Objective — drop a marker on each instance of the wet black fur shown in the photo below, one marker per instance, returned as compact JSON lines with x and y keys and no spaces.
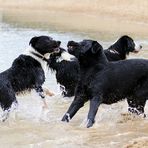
{"x":122,"y":47}
{"x":25,"y":73}
{"x":108,"y":82}
{"x":66,"y":73}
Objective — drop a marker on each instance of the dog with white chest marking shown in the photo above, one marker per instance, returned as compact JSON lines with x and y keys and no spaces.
{"x":66,"y":67}
{"x":27,"y":72}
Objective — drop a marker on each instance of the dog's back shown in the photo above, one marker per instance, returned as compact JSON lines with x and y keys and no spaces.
{"x":26,"y":73}
{"x":117,"y":80}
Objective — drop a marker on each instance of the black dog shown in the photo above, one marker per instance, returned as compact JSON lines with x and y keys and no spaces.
{"x":118,"y":51}
{"x":121,"y":48}
{"x":108,"y":82}
{"x":67,"y":72}
{"x":26,"y":72}
{"x":67,"y":68}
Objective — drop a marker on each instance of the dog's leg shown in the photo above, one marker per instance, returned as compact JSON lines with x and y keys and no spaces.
{"x":131,"y":105}
{"x":40,"y":91}
{"x":136,"y":106}
{"x":140,"y":104}
{"x":7,"y":111}
{"x":77,"y":103}
{"x":64,"y":92}
{"x":94,"y":104}
{"x":5,"y":115}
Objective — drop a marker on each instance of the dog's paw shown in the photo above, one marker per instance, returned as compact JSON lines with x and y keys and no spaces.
{"x":136,"y":112}
{"x":90,"y":123}
{"x":66,"y":117}
{"x":143,"y":115}
{"x":5,"y":116}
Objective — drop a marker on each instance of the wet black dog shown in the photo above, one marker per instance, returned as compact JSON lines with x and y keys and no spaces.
{"x":67,"y":72}
{"x":66,"y":67}
{"x":118,"y":51}
{"x":27,"y":72}
{"x":121,"y":48}
{"x":108,"y":82}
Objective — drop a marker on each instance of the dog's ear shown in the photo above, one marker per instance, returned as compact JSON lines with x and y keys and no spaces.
{"x":96,"y":47}
{"x":130,"y":46}
{"x":130,"y":43}
{"x":33,"y":41}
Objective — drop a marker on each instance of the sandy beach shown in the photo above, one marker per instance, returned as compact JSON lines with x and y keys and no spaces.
{"x":90,"y":16}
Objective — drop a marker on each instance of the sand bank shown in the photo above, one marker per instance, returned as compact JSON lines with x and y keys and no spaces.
{"x":95,"y":16}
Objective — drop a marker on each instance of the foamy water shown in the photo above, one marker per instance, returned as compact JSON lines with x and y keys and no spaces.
{"x":33,"y":127}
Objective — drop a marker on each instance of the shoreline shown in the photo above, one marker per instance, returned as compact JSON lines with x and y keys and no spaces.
{"x":100,"y":21}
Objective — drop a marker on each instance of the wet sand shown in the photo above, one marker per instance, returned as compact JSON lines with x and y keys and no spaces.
{"x":96,"y":17}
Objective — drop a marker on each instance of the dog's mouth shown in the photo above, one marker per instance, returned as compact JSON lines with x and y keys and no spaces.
{"x":52,"y":51}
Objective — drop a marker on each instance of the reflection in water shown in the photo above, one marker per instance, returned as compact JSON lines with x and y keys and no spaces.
{"x":36,"y":128}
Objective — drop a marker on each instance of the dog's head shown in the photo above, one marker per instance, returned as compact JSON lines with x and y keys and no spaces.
{"x":129,"y":44}
{"x":44,"y":44}
{"x":62,"y":55}
{"x":87,"y":51}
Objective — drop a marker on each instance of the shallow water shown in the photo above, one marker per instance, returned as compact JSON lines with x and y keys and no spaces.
{"x":33,"y":127}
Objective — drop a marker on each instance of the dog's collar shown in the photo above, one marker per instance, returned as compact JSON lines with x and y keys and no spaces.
{"x":113,"y":51}
{"x":40,"y":56}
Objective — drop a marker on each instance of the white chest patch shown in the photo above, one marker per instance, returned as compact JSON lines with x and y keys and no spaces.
{"x":40,"y":60}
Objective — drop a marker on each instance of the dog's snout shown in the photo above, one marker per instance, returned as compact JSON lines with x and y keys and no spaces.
{"x":138,"y":47}
{"x":70,"y":48}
